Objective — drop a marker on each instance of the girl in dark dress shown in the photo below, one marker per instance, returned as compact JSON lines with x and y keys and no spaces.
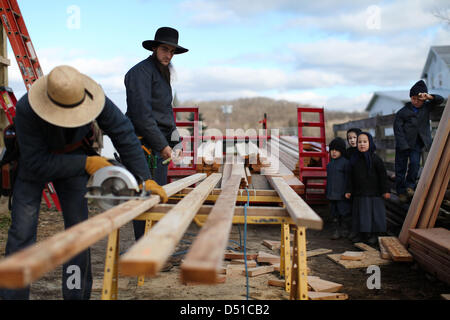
{"x":367,"y":185}
{"x":352,"y":136}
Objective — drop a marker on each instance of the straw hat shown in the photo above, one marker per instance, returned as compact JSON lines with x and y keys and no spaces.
{"x":67,"y":98}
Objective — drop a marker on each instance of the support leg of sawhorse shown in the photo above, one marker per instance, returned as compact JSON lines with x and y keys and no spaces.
{"x":285,"y":256}
{"x":148,"y":226}
{"x":111,"y":275}
{"x":299,"y":288}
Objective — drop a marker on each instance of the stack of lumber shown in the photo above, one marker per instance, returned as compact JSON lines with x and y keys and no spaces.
{"x":209,"y":157}
{"x":431,"y":249}
{"x":433,"y":182}
{"x":289,"y":152}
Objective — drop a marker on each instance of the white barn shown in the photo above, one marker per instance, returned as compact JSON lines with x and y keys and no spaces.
{"x":436,"y":74}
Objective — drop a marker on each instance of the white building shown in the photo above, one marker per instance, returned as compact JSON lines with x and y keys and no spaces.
{"x":436,"y":74}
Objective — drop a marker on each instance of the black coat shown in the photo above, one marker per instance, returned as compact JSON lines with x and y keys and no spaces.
{"x":39,"y":140}
{"x":363,"y":182}
{"x":409,"y":125}
{"x":337,"y":174}
{"x":149,"y":100}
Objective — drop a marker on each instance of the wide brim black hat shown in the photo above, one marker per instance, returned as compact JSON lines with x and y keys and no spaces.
{"x":165,"y":35}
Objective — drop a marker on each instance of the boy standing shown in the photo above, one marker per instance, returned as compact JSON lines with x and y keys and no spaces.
{"x":412,"y":134}
{"x":337,"y":172}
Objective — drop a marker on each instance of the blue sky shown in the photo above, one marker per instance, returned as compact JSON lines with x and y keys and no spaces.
{"x":326,"y":53}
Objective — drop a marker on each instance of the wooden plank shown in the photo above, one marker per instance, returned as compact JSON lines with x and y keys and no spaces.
{"x":364,"y":246}
{"x":396,"y":249}
{"x":250,"y":263}
{"x":437,"y":189}
{"x":253,"y":272}
{"x":218,"y":152}
{"x":230,"y":255}
{"x":427,"y":176}
{"x":267,"y":258}
{"x":276,"y":283}
{"x":148,"y":254}
{"x":28,"y":265}
{"x":320,"y":285}
{"x":445,"y":296}
{"x":317,"y":252}
{"x":424,"y":251}
{"x":207,"y":252}
{"x":239,"y":170}
{"x":370,"y":258}
{"x":432,"y":266}
{"x":299,"y":210}
{"x":327,"y":296}
{"x":437,"y":237}
{"x":437,"y":204}
{"x":426,"y":247}
{"x":225,"y":174}
{"x":242,"y":150}
{"x":272,"y":245}
{"x":383,"y":252}
{"x":248,"y":175}
{"x":353,"y":255}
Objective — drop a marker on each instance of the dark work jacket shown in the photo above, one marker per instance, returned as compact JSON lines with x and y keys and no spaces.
{"x":38,"y":140}
{"x":363,"y":182}
{"x":350,"y":151}
{"x":409,"y":125}
{"x":337,"y":174}
{"x":149,"y":100}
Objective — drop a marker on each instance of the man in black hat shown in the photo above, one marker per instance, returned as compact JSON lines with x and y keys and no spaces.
{"x":412,"y":134}
{"x":149,"y":100}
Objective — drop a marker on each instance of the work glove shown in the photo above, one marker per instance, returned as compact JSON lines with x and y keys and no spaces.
{"x":95,"y":163}
{"x":156,"y":189}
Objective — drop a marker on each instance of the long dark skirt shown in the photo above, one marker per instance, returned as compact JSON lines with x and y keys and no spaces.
{"x":369,"y":214}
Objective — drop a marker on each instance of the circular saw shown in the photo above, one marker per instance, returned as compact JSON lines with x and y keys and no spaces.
{"x":113,"y":185}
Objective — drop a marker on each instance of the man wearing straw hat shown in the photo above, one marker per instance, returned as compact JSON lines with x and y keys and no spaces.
{"x":51,"y":120}
{"x":149,"y":99}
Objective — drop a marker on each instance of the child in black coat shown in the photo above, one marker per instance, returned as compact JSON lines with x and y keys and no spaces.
{"x":367,"y":185}
{"x":352,"y":136}
{"x":337,"y":173}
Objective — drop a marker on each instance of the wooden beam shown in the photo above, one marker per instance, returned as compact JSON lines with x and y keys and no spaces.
{"x":206,"y":254}
{"x":28,"y":265}
{"x":426,"y":178}
{"x":300,"y":212}
{"x":148,"y":255}
{"x":396,"y":249}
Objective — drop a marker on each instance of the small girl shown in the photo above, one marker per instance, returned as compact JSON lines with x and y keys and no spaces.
{"x":367,"y":184}
{"x":337,"y":174}
{"x":352,"y":135}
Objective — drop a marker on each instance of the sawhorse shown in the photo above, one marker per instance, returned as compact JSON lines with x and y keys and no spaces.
{"x":294,"y":270}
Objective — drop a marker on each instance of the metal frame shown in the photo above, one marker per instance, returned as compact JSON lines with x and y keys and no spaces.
{"x":295,"y":272}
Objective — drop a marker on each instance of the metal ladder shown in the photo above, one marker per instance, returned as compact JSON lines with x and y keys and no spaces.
{"x":12,"y":20}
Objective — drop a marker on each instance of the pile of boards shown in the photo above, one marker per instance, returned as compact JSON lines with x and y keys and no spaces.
{"x":426,"y":203}
{"x":289,"y":152}
{"x":431,"y":249}
{"x":254,"y":160}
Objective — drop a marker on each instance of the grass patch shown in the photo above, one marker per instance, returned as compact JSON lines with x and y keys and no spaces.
{"x":5,"y":222}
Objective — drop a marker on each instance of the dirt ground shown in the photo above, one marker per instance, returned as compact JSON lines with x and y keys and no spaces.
{"x":399,"y":280}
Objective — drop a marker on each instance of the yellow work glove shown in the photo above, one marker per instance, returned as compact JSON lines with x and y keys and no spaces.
{"x":156,"y":189}
{"x":96,"y":163}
